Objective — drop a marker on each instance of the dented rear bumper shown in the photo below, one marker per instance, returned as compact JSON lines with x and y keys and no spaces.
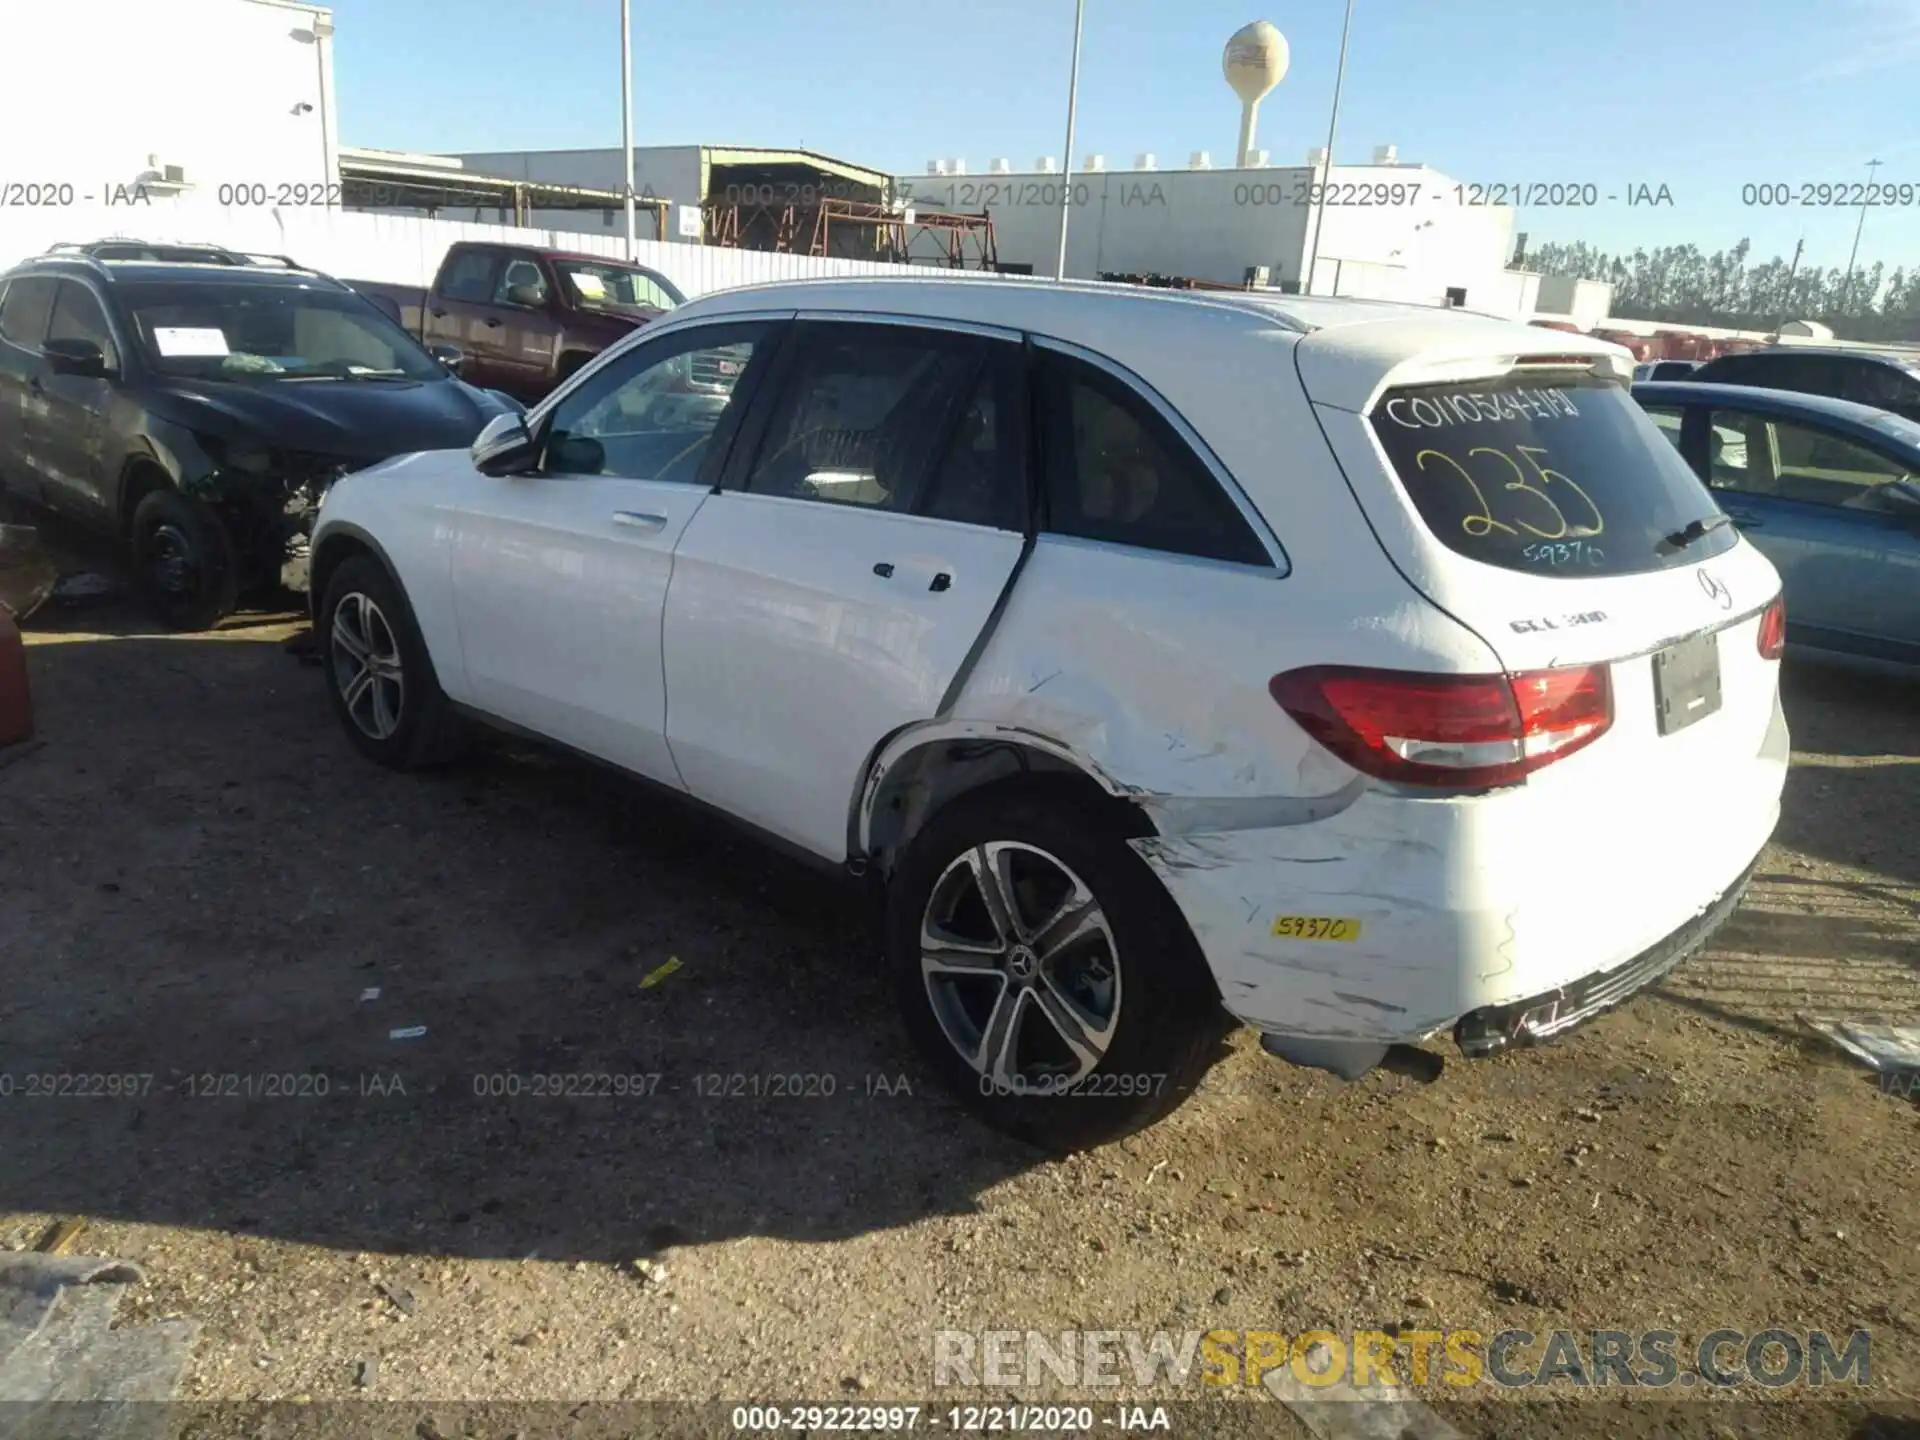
{"x":1539,"y":1018}
{"x":1399,"y":919}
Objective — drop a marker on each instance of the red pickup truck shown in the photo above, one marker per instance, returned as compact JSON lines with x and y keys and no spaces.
{"x":524,"y":319}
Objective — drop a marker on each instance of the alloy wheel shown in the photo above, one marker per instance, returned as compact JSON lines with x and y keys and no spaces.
{"x":1020,"y":967}
{"x":366,"y":666}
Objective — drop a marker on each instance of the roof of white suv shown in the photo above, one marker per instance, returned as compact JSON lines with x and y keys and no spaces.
{"x":1355,"y":348}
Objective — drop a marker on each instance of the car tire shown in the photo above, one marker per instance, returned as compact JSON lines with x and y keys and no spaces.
{"x":380,"y":678}
{"x":1154,"y":1019}
{"x":183,"y":561}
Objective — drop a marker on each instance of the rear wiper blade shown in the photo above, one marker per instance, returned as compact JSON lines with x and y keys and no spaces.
{"x":1694,"y":530}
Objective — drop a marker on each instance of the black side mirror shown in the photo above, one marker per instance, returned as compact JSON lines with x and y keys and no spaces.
{"x":531,"y":296}
{"x":449,"y":356}
{"x":504,"y":446}
{"x":75,"y":357}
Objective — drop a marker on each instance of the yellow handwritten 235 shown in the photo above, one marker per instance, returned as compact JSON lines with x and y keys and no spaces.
{"x":1482,"y":522}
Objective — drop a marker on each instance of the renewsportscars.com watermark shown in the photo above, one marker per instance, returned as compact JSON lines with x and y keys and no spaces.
{"x":1375,"y":1360}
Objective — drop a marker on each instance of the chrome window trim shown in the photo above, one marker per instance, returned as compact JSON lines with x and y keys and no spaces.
{"x":1281,"y":566}
{"x":1172,"y":557}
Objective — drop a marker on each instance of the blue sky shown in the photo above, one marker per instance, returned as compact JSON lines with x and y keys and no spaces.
{"x":1702,"y":96}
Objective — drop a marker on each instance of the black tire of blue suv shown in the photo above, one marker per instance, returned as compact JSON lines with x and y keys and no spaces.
{"x":183,"y":561}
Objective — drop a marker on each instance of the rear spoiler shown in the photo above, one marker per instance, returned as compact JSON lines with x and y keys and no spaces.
{"x":1345,"y":375}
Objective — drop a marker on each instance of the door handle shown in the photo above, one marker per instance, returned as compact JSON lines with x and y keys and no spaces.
{"x":493,"y":324}
{"x":439,"y":314}
{"x":638,"y":520}
{"x":884,"y":569}
{"x":942,"y":581}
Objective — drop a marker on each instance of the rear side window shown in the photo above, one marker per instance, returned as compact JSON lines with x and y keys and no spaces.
{"x":523,"y":274}
{"x":1667,"y":420}
{"x":980,"y":477}
{"x":1117,"y":471}
{"x":23,"y":315}
{"x":1765,"y":370}
{"x":1550,"y":476}
{"x":861,"y":412}
{"x":1762,"y":455}
{"x":469,"y":276}
{"x":1884,"y":387}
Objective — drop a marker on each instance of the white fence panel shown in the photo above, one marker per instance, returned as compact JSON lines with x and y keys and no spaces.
{"x":397,"y":249}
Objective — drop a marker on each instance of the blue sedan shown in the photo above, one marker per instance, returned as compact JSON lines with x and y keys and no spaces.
{"x":1827,"y":490}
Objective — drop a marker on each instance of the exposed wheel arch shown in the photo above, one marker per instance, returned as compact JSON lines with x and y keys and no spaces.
{"x":1142,"y":999}
{"x":339,"y":545}
{"x":925,"y":768}
{"x":335,"y":548}
{"x":140,"y":478}
{"x":381,"y":658}
{"x":329,"y":555}
{"x":570,"y":364}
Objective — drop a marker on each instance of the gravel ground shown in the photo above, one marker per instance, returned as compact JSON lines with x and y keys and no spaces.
{"x":200,"y":879}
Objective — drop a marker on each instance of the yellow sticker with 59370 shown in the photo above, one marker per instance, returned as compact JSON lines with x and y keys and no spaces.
{"x":1317,"y":927}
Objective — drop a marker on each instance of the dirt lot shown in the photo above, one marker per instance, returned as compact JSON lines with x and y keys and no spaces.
{"x":199,"y":878}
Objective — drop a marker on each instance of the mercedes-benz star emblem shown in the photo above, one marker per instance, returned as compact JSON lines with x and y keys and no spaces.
{"x":1715,"y":590}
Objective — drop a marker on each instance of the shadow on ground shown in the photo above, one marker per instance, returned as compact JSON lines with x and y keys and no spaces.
{"x":209,"y":887}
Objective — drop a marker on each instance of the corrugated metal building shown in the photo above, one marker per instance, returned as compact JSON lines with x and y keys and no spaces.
{"x":690,"y":178}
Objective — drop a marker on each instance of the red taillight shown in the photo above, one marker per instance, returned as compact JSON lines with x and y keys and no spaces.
{"x":1773,"y":629}
{"x":1451,"y":731}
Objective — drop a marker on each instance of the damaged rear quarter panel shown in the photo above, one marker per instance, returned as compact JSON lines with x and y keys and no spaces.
{"x":1153,"y":670}
{"x":1393,"y":981}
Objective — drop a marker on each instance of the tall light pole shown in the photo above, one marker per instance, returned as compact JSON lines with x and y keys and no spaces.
{"x":1066,"y":160}
{"x":626,"y":119}
{"x":1333,"y":124}
{"x":1846,"y":285}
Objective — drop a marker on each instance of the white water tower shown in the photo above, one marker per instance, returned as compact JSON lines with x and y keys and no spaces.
{"x":1255,"y":62}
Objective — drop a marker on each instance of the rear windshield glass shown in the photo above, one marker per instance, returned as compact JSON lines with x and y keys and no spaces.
{"x":1548,"y":474}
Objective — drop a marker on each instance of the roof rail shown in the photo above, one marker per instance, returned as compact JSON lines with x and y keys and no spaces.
{"x":159,"y":248}
{"x":176,"y":252}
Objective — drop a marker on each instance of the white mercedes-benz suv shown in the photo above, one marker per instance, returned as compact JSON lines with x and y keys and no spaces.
{"x":1365,"y":673}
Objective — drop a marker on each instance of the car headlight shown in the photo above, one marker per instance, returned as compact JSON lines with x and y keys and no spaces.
{"x":239,"y":455}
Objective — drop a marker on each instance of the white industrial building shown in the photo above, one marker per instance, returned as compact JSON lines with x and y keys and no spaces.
{"x":1396,"y":231}
{"x":225,"y":109}
{"x":131,"y":100}
{"x":1399,"y":231}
